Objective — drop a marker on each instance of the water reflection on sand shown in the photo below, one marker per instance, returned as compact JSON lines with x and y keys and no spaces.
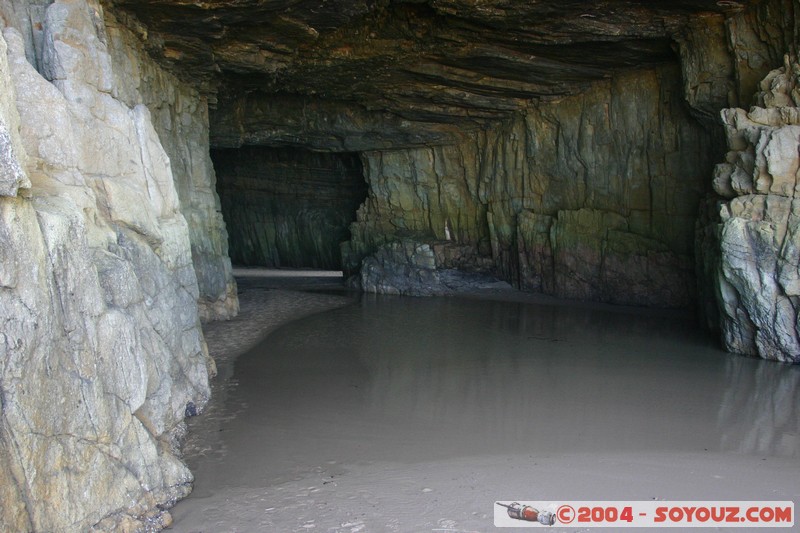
{"x":410,"y":379}
{"x":416,"y":381}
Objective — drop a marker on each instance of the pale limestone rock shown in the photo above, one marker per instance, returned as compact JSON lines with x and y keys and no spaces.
{"x":755,"y":271}
{"x":101,"y":350}
{"x":779,"y":88}
{"x":179,"y":117}
{"x":782,"y":160}
{"x":12,"y":153}
{"x":11,"y":173}
{"x":157,"y":168}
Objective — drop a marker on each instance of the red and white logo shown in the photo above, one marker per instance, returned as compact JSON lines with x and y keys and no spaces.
{"x":622,"y":514}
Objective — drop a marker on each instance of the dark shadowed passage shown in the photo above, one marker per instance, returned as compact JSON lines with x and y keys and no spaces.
{"x":416,"y":414}
{"x":288,"y":207}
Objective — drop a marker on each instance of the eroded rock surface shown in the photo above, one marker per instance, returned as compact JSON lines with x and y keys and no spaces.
{"x":561,"y":146}
{"x":101,"y":351}
{"x":438,"y":65}
{"x":180,"y":119}
{"x":411,"y":268}
{"x":754,"y":232}
{"x":591,"y":197}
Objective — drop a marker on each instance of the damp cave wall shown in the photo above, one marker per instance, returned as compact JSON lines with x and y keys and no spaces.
{"x":592,"y":197}
{"x":108,"y":195}
{"x":605,"y":195}
{"x":288,"y":207}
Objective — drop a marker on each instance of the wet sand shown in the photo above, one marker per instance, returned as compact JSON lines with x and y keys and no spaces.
{"x":264,"y":305}
{"x":417,"y":414}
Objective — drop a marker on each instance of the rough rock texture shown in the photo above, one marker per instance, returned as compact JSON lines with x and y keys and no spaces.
{"x":411,"y":268}
{"x":12,"y":153}
{"x":288,"y":207}
{"x":750,"y":241}
{"x":453,"y":63}
{"x":545,"y":142}
{"x":180,"y":117}
{"x":723,"y":58}
{"x":101,"y":351}
{"x":257,"y":118}
{"x":548,"y":137}
{"x":590,"y":197}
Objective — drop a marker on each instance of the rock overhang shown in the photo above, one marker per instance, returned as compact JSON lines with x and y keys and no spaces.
{"x":426,"y":68}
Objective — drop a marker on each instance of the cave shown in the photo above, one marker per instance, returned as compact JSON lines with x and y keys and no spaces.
{"x":288,"y":207}
{"x":372,"y":265}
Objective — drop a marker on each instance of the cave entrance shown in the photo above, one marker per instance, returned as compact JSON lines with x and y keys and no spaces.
{"x":288,"y":207}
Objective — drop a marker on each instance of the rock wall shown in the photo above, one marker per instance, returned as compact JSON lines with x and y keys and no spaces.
{"x":749,"y":242}
{"x":316,"y":123}
{"x":591,"y":196}
{"x":101,"y":351}
{"x":180,"y":117}
{"x":744,"y":236}
{"x":724,"y":57}
{"x":289,"y":207}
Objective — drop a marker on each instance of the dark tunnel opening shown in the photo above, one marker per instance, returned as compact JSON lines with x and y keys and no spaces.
{"x":288,"y":207}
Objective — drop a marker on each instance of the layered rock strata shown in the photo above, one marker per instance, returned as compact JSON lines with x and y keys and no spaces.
{"x":101,"y":351}
{"x":411,"y":268}
{"x":547,"y":143}
{"x":433,"y":93}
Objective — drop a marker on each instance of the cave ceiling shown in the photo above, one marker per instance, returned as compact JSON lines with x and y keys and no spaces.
{"x":437,"y":62}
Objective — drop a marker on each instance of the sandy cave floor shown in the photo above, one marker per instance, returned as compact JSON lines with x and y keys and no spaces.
{"x":339,"y":412}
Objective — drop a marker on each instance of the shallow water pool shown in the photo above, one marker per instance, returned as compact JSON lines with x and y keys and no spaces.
{"x":417,"y":414}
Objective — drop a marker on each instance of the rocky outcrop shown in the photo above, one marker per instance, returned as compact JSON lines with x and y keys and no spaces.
{"x":724,"y":57}
{"x":590,"y":197}
{"x":180,"y":118}
{"x":546,"y":143}
{"x":101,"y":351}
{"x":411,"y":268}
{"x":552,"y":138}
{"x":288,"y":207}
{"x":749,"y":242}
